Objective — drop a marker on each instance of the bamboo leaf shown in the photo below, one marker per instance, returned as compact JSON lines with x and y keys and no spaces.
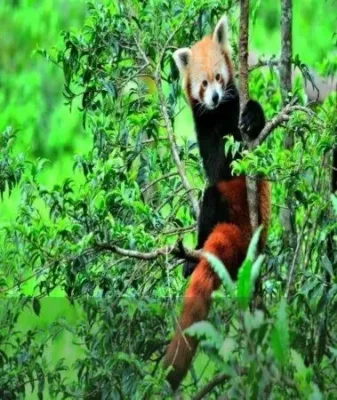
{"x":280,"y":335}
{"x":221,"y":270}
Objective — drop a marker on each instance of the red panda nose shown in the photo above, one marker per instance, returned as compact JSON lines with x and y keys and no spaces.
{"x":215,"y":98}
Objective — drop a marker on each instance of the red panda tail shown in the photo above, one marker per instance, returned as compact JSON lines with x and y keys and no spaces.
{"x":225,"y":242}
{"x":195,"y":308}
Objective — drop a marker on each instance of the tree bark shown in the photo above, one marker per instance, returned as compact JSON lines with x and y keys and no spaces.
{"x":243,"y":52}
{"x":286,"y":86}
{"x":286,"y":48}
{"x":244,"y":95}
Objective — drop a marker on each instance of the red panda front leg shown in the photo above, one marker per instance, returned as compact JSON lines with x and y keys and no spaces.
{"x":227,"y":243}
{"x":214,"y":210}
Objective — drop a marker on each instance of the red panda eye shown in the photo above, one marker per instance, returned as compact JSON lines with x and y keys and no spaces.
{"x":217,"y":77}
{"x":204,"y":83}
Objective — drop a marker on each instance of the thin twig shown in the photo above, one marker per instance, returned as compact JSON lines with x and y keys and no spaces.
{"x":151,"y":255}
{"x":281,"y":117}
{"x":168,"y":124}
{"x":292,"y":268}
{"x":166,"y":45}
{"x":147,"y":141}
{"x":135,"y":75}
{"x":158,"y":180}
{"x":297,"y":250}
{"x":263,"y":63}
{"x":178,"y":231}
{"x":173,"y":144}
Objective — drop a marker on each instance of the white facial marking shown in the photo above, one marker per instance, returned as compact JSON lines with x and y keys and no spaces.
{"x":215,"y":91}
{"x":213,"y":94}
{"x":195,"y":89}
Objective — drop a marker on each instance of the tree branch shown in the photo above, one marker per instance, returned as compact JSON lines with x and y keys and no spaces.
{"x":263,"y":63}
{"x":286,"y":49}
{"x":281,"y":117}
{"x":173,"y":144}
{"x":323,"y":85}
{"x":169,"y":40}
{"x":177,"y":250}
{"x":217,"y":380}
{"x":297,"y":250}
{"x":158,"y":180}
{"x":243,"y":52}
{"x":244,"y":95}
{"x":165,"y":114}
{"x":178,"y":231}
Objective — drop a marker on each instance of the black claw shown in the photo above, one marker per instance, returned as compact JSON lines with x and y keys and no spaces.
{"x":252,"y":119}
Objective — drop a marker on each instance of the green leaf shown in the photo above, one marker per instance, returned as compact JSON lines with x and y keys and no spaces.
{"x":327,"y":264}
{"x":204,"y":330}
{"x":244,"y":284}
{"x":36,"y":306}
{"x":280,"y":335}
{"x":334,"y":202}
{"x":248,"y":273}
{"x":297,"y":361}
{"x":315,"y":394}
{"x":220,"y":269}
{"x":227,"y":348}
{"x":254,"y":243}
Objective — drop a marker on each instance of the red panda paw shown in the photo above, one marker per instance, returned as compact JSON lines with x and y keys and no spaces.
{"x":188,"y":268}
{"x":252,"y":119}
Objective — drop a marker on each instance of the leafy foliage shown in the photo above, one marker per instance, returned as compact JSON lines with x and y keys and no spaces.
{"x":11,"y":168}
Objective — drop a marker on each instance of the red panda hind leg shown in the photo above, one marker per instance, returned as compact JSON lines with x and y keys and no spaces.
{"x":225,"y":242}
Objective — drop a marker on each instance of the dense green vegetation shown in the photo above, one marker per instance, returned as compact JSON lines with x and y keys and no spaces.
{"x":83,"y":137}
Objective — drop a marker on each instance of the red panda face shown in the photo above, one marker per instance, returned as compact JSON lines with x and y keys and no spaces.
{"x":206,"y":68}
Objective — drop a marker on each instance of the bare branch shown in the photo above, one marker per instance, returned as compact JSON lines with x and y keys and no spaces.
{"x":148,"y":141}
{"x":151,"y":255}
{"x":282,"y":116}
{"x":297,"y":250}
{"x":263,"y":63}
{"x":166,"y":176}
{"x":178,"y":231}
{"x":134,"y":75}
{"x":319,"y":92}
{"x":176,"y":250}
{"x":217,"y":380}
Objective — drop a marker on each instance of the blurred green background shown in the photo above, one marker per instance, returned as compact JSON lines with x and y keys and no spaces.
{"x":32,"y":104}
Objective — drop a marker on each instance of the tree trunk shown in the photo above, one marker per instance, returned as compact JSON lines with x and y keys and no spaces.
{"x":243,"y":52}
{"x":244,"y":95}
{"x":286,"y":48}
{"x":287,"y":214}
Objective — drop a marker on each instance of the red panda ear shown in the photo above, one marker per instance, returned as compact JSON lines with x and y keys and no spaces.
{"x":220,"y":34}
{"x":182,"y":58}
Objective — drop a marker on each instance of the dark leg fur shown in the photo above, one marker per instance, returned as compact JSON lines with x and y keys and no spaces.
{"x":214,"y":209}
{"x":252,"y":119}
{"x":223,"y":120}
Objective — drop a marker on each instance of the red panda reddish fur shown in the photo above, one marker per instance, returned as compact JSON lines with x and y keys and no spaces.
{"x":224,"y":227}
{"x":229,"y":242}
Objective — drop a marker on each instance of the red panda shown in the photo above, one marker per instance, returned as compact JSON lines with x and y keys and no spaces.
{"x":223,"y":227}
